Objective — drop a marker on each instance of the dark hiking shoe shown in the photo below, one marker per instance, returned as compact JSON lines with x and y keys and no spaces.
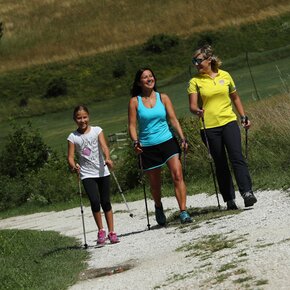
{"x":160,"y":216}
{"x":249,"y":198}
{"x":185,"y":217}
{"x":231,"y":205}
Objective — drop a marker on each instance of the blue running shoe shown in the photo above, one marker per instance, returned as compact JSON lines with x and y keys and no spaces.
{"x":185,"y":217}
{"x":160,"y":216}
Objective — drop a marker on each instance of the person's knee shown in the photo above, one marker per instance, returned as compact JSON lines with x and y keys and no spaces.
{"x":177,"y":176}
{"x":95,"y":207}
{"x":106,"y":206}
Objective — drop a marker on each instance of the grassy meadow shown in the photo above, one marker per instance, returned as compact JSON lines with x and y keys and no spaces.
{"x":39,"y":260}
{"x":37,"y":32}
{"x":111,"y":114}
{"x":104,"y":76}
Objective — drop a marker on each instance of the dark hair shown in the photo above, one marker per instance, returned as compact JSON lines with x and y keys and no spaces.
{"x":80,"y":108}
{"x":136,"y":89}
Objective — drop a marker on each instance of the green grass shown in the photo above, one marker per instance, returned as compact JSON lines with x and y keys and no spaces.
{"x":39,"y":260}
{"x":91,"y":79}
{"x":55,"y":128}
{"x":111,"y":114}
{"x":34,"y":207}
{"x":208,"y":245}
{"x":227,"y":266}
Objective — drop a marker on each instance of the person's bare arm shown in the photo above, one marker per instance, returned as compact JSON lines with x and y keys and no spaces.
{"x":239,"y":106}
{"x":132,"y":118}
{"x":71,"y":157}
{"x":193,"y":105}
{"x":132,"y":123}
{"x":173,"y":119}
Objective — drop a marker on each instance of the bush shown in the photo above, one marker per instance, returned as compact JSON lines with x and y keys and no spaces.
{"x":52,"y":183}
{"x":160,"y":43}
{"x":56,"y":87}
{"x":13,"y":192}
{"x":24,"y":152}
{"x":23,"y":102}
{"x":119,"y":69}
{"x":126,"y":170}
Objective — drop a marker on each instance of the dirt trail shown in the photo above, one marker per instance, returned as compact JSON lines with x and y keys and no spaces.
{"x":258,"y":259}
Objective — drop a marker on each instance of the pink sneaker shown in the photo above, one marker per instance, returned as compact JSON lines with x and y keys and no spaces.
{"x":112,"y":236}
{"x":101,"y":237}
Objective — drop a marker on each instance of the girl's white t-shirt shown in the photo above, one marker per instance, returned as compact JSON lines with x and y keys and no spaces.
{"x":89,"y":151}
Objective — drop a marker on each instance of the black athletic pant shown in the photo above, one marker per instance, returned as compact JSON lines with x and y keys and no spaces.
{"x":224,"y":139}
{"x":98,"y":191}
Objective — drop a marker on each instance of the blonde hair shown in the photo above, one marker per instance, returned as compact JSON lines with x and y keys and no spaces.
{"x":207,"y":51}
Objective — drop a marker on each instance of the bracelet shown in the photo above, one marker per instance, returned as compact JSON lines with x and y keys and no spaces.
{"x":184,"y":140}
{"x":136,"y":143}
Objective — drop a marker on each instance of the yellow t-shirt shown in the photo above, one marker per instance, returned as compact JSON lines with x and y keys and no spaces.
{"x":215,"y":96}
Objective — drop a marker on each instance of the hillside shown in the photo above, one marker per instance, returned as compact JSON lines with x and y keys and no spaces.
{"x":37,"y":32}
{"x":87,"y":71}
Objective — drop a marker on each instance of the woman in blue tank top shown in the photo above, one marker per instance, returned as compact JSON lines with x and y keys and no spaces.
{"x":152,"y":113}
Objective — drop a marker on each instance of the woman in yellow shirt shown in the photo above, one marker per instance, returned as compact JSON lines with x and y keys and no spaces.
{"x":216,"y":90}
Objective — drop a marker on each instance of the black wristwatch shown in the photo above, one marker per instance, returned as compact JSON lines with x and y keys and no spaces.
{"x":244,"y":119}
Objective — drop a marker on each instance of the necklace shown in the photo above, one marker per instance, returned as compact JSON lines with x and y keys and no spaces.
{"x":149,"y":101}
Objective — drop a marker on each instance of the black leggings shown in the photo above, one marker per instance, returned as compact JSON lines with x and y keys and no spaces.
{"x":98,"y":191}
{"x":224,"y":139}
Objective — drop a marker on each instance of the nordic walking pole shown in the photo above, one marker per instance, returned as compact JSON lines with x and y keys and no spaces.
{"x":82,"y":212}
{"x":144,"y":190}
{"x":246,"y":141}
{"x":120,"y":190}
{"x":184,"y":161}
{"x":246,"y":138}
{"x":210,"y":161}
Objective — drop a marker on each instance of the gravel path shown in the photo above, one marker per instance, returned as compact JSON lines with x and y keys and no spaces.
{"x":258,"y":259}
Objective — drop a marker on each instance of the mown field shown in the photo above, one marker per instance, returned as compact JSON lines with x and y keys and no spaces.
{"x":37,"y":32}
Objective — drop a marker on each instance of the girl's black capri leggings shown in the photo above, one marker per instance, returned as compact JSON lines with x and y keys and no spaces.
{"x":98,"y":191}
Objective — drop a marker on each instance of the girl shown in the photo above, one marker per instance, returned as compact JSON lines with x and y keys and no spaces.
{"x":94,"y":160}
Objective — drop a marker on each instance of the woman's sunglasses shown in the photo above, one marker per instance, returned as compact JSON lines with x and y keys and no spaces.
{"x":198,"y":61}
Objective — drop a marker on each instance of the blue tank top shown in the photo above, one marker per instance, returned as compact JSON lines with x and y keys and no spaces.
{"x":153,"y":125}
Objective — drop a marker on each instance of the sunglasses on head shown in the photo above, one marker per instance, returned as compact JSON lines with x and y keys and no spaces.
{"x":198,"y":61}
